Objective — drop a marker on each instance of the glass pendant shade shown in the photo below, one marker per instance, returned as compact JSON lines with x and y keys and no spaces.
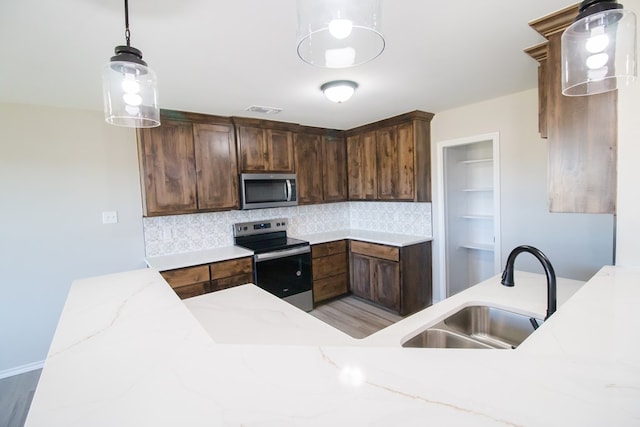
{"x":339,"y":33}
{"x":599,"y":49}
{"x":339,"y":91}
{"x":130,"y":90}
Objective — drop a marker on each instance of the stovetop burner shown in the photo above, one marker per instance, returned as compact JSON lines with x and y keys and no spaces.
{"x":265,"y":236}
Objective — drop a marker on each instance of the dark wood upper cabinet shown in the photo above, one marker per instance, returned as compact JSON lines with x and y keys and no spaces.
{"x":320,"y":164}
{"x":395,"y":162}
{"x":362,"y":166}
{"x":167,"y":168}
{"x":188,"y":164}
{"x":334,"y":168}
{"x":216,"y":166}
{"x":308,"y":158}
{"x":264,"y":146}
{"x":581,"y":131}
{"x":391,"y":159}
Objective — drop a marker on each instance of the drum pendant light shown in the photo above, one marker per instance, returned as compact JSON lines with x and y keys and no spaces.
{"x":130,"y":87}
{"x":339,"y":33}
{"x":599,"y":49}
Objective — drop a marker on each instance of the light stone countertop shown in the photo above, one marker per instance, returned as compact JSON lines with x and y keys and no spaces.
{"x":188,"y":259}
{"x":128,"y":352}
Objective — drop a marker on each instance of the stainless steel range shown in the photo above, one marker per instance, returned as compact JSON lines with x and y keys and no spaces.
{"x":281,"y":264}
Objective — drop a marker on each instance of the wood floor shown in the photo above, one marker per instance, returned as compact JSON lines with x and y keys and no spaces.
{"x":354,"y":316}
{"x":16,"y":393}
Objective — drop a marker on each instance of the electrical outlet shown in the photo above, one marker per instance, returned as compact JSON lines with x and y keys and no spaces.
{"x":110,"y":217}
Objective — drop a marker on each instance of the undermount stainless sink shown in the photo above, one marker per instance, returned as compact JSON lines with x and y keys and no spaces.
{"x":477,"y":326}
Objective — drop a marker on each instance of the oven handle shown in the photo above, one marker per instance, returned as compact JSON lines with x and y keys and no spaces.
{"x":282,"y":254}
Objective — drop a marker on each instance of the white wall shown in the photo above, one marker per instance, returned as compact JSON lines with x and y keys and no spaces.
{"x":577,"y":244}
{"x":628,"y":241}
{"x":59,"y":170}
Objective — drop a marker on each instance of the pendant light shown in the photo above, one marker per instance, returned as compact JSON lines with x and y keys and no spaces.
{"x":599,"y":49}
{"x":339,"y":91}
{"x":339,"y":33}
{"x":130,"y":87}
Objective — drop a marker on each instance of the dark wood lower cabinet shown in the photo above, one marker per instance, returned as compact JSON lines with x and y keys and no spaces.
{"x":330,"y":270}
{"x":201,"y":279}
{"x":397,"y":278}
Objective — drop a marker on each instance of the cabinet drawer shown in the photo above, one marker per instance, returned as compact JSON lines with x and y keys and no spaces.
{"x":194,"y":290}
{"x":231,"y":268}
{"x":330,"y":248}
{"x":186,"y":276}
{"x":329,"y":287}
{"x":230,"y":282}
{"x":391,"y":253}
{"x":329,"y":265}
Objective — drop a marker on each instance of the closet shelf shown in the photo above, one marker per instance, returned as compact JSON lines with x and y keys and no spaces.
{"x":478,"y":246}
{"x":484,"y":189}
{"x":489,"y":217}
{"x":487,"y":160}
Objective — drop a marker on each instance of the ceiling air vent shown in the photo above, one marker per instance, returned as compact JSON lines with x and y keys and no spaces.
{"x":263,"y":110}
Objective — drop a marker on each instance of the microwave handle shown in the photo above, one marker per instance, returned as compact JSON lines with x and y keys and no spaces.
{"x":288,"y":190}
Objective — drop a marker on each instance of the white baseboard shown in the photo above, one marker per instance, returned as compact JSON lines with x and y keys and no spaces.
{"x":21,"y":369}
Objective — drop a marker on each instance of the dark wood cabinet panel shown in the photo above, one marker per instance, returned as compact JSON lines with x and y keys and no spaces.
{"x":391,"y":159}
{"x":251,"y":149}
{"x":308,"y":158}
{"x":330,"y":270}
{"x":362,"y":166}
{"x":188,"y":164}
{"x":189,"y":282}
{"x":168,"y":173}
{"x":334,"y":169}
{"x":395,"y":162}
{"x":581,"y":131}
{"x":361,"y":276}
{"x":279,"y":150}
{"x":264,"y":146}
{"x":216,"y":166}
{"x":232,"y":267}
{"x":398,"y":279}
{"x":330,"y":287}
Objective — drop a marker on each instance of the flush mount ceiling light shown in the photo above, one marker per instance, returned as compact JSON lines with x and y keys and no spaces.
{"x":599,"y":49}
{"x":339,"y":33}
{"x":130,"y":87}
{"x":339,"y":90}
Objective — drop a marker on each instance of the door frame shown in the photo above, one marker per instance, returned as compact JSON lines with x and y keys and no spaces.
{"x":439,"y":211}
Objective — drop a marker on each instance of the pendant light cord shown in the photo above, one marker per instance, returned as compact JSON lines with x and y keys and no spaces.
{"x":127,"y":34}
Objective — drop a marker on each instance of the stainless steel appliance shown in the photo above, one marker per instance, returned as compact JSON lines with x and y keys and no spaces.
{"x":265,"y":190}
{"x":281,"y":264}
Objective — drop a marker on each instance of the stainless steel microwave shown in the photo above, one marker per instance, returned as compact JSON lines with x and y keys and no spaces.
{"x":266,"y":190}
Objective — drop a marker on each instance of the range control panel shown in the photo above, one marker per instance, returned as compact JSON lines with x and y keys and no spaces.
{"x":259,"y":227}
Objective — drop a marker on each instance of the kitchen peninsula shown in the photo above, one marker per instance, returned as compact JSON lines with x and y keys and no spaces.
{"x":128,"y":352}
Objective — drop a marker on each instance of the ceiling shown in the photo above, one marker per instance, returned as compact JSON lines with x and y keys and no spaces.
{"x":220,"y":57}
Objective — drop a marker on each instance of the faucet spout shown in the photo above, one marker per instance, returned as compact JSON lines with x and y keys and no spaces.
{"x":507,"y":274}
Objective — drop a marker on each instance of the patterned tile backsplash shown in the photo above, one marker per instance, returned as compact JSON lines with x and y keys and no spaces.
{"x":167,"y":235}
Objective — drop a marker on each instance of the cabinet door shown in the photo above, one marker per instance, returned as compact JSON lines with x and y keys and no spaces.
{"x":251,"y":149}
{"x":334,"y":169}
{"x":361,"y":159}
{"x":279,"y":150}
{"x":395,"y":149}
{"x":361,"y":272}
{"x":386,"y":281}
{"x":308,"y":157}
{"x":582,"y":139}
{"x":216,"y":166}
{"x":168,"y":170}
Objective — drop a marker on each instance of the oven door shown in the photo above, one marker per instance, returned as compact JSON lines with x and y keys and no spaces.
{"x":286,"y":273}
